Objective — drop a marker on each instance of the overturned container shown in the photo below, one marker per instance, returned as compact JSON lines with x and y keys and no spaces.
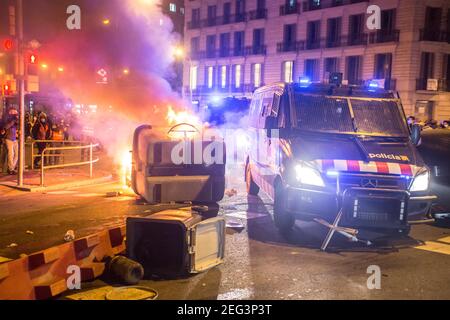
{"x":176,"y":243}
{"x":175,"y":170}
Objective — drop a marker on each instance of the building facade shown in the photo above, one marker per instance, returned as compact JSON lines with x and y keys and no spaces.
{"x":236,"y":46}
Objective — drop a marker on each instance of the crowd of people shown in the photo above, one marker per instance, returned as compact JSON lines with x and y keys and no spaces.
{"x":39,"y":127}
{"x":429,"y":124}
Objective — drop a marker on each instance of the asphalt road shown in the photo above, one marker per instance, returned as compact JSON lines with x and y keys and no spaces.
{"x":260,"y":263}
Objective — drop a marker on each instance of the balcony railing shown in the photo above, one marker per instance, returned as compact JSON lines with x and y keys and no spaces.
{"x":287,"y":9}
{"x":434,"y":35}
{"x":383,"y":36}
{"x":195,"y":24}
{"x":290,"y":46}
{"x":257,"y":14}
{"x":443,"y":84}
{"x":256,"y":50}
{"x":229,"y":88}
{"x":357,"y":39}
{"x":323,"y":4}
{"x":219,"y":53}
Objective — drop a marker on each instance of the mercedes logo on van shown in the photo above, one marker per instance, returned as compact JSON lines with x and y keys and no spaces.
{"x":369,"y":183}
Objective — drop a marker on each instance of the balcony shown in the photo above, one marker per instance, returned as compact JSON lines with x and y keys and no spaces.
{"x":435,"y":36}
{"x":313,"y":44}
{"x":357,"y":39}
{"x":333,"y":42}
{"x":324,"y":4}
{"x":257,"y":14}
{"x":242,"y":17}
{"x":286,"y":10}
{"x":195,"y":24}
{"x":255,"y":50}
{"x":443,"y":85}
{"x":383,"y":36}
{"x":290,"y":46}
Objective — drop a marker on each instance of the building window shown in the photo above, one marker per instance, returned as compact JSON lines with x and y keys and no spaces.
{"x":383,"y":66}
{"x":237,"y":76}
{"x":182,"y":11}
{"x":210,"y":77}
{"x":239,"y":43}
{"x":172,"y":7}
{"x":331,"y":65}
{"x":334,"y":32}
{"x":211,"y":46}
{"x":313,"y":35}
{"x":225,"y":44}
{"x":288,"y":71}
{"x":354,"y":70}
{"x":223,"y":76}
{"x":312,"y":69}
{"x":193,"y":77}
{"x":257,"y":75}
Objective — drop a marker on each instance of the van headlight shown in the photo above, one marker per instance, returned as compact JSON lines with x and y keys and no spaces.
{"x":421,"y":182}
{"x":309,"y":176}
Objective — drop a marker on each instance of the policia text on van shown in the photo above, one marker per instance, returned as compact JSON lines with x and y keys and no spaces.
{"x":320,"y":151}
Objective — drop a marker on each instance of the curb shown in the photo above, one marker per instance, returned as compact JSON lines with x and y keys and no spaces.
{"x":61,"y":186}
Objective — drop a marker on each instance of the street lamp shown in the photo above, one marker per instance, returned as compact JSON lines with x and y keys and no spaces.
{"x":106,"y":22}
{"x":180,"y":55}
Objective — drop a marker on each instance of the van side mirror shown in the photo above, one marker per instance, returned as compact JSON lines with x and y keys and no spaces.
{"x":415,"y":134}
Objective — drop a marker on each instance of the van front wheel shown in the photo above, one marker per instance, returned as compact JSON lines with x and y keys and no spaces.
{"x":283,"y":220}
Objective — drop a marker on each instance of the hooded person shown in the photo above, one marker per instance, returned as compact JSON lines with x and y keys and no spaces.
{"x":10,"y":137}
{"x":42,"y":133}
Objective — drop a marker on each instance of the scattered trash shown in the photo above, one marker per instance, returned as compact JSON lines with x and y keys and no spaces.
{"x":132,"y":293}
{"x":235,"y":225}
{"x":125,"y":270}
{"x":69,"y":236}
{"x":29,"y":232}
{"x":12,"y":245}
{"x":114,"y":194}
{"x":231,"y":192}
{"x":246,"y":215}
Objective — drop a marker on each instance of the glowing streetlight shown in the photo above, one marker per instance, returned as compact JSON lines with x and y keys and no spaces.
{"x":61,"y":69}
{"x":44,"y":66}
{"x":126,"y":71}
{"x":178,"y":52}
{"x":106,"y":22}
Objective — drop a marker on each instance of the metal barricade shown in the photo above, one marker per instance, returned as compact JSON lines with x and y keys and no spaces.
{"x":91,"y":161}
{"x":50,"y":142}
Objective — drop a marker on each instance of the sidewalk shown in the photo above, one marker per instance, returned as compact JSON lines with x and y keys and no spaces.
{"x":58,"y":178}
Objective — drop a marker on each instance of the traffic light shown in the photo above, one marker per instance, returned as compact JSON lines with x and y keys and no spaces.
{"x":32,"y":58}
{"x":6,"y":89}
{"x":8,"y":44}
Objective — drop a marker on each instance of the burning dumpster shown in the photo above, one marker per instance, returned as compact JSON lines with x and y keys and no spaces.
{"x":178,"y":165}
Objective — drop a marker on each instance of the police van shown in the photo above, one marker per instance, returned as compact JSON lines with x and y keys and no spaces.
{"x":322,"y":151}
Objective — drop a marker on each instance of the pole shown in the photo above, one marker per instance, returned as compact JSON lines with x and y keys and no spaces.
{"x":90,"y":161}
{"x":21,"y":73}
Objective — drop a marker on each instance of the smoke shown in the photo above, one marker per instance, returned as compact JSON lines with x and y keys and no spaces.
{"x":139,"y":40}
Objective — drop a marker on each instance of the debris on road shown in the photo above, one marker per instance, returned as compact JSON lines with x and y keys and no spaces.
{"x":114,"y":194}
{"x":231,"y":192}
{"x":29,"y":232}
{"x":235,"y":225}
{"x":132,"y":293}
{"x":12,"y":245}
{"x":125,"y":270}
{"x":69,"y":236}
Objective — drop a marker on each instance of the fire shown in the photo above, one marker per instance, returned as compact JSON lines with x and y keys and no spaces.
{"x":184,"y":124}
{"x":126,"y":160}
{"x":175,"y":118}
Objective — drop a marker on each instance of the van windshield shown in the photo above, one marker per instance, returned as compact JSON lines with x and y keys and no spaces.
{"x":334,"y":115}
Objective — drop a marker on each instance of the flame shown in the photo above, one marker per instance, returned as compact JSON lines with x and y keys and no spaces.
{"x":126,"y":160}
{"x":174,"y":117}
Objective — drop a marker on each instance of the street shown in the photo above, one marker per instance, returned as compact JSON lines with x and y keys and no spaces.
{"x":259,"y":262}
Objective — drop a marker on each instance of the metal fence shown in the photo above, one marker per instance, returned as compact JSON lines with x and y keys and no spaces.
{"x":48,"y":153}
